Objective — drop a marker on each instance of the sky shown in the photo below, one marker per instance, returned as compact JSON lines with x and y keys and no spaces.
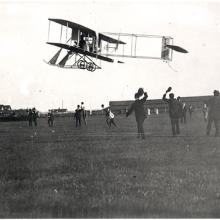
{"x":27,"y":81}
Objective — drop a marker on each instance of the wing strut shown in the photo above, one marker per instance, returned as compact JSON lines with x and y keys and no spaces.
{"x":64,"y":60}
{"x":55,"y":57}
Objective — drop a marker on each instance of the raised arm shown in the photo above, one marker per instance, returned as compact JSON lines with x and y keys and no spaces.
{"x":144,"y":98}
{"x":165,"y":99}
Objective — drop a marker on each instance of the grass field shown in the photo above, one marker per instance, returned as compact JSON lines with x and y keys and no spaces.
{"x":101,"y":172}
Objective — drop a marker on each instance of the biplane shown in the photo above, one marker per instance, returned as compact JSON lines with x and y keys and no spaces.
{"x":83,"y":47}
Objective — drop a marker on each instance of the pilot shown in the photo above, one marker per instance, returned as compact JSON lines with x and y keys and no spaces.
{"x":82,"y":42}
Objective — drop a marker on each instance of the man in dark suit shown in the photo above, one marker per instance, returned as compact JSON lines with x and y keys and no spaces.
{"x":138,"y":108}
{"x":83,"y":113}
{"x":35,"y":116}
{"x":214,"y":113}
{"x":30,"y":117}
{"x":174,"y":111}
{"x":77,"y":116}
{"x":106,"y":112}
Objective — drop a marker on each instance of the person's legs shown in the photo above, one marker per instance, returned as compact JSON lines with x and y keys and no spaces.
{"x":217,"y":124}
{"x":107,"y":121}
{"x":140,"y":128}
{"x":79,"y":122}
{"x":184,"y":118}
{"x":173,"y":126}
{"x":84,"y":119}
{"x":177,"y":127}
{"x":209,"y":126}
{"x":76,"y":122}
{"x":113,"y":122}
{"x":181,"y":119}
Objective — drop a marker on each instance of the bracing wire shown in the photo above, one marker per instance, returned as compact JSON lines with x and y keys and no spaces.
{"x":171,"y":67}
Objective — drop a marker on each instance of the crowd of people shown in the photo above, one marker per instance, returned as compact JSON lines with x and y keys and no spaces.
{"x":177,"y":113}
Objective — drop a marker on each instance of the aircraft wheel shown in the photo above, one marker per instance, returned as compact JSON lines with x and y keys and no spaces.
{"x":91,"y":67}
{"x":81,"y":64}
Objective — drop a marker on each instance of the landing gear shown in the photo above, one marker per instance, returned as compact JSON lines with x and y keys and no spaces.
{"x":81,"y":64}
{"x":90,"y":67}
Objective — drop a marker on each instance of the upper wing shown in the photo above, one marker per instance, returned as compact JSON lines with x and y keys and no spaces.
{"x":74,"y":26}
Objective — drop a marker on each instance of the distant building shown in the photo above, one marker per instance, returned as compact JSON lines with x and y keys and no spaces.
{"x":9,"y":114}
{"x":120,"y":107}
{"x":59,"y":110}
{"x":5,"y":107}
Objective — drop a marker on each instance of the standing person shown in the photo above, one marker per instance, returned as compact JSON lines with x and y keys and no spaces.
{"x":138,"y":108}
{"x":83,"y":113}
{"x":106,"y":112}
{"x":174,"y":111}
{"x":111,"y":118}
{"x":184,"y":110}
{"x":35,"y":116}
{"x":82,"y":42}
{"x":30,"y":117}
{"x":214,"y":113}
{"x":205,"y":112}
{"x":190,"y":111}
{"x":181,"y":108}
{"x":50,"y":117}
{"x":77,"y":116}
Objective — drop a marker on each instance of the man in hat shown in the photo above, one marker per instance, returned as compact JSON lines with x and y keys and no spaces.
{"x":30,"y":117}
{"x":111,"y":118}
{"x":77,"y":116}
{"x":35,"y":116}
{"x":205,"y":112}
{"x":190,"y":111}
{"x":214,"y":113}
{"x":182,"y":110}
{"x":50,"y":118}
{"x":174,"y":111}
{"x":140,"y":114}
{"x":106,"y":112}
{"x":83,"y":112}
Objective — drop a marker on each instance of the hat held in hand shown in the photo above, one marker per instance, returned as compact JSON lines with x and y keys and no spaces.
{"x":169,"y":89}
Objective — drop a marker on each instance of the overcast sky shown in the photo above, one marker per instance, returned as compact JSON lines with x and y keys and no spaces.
{"x":26,"y":81}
